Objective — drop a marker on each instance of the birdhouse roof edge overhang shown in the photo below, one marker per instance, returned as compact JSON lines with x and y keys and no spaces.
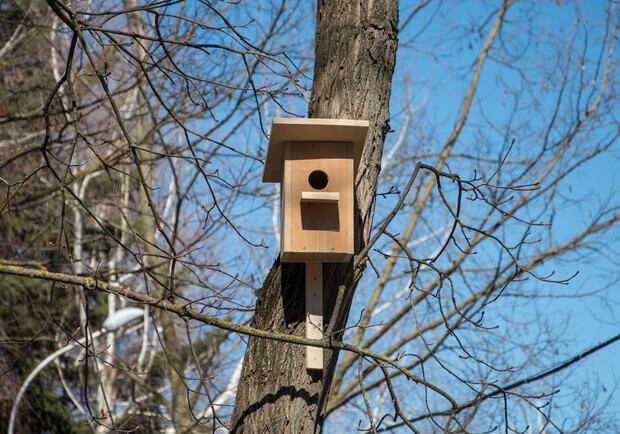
{"x":311,"y":130}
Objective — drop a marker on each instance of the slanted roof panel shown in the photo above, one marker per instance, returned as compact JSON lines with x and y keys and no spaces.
{"x":311,"y":130}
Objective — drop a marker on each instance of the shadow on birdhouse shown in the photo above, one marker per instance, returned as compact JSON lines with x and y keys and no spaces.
{"x":315,"y":161}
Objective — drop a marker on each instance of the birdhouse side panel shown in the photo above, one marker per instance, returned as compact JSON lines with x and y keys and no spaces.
{"x":317,"y":201}
{"x":285,"y":205}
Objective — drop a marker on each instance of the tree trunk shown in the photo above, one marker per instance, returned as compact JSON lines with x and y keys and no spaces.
{"x":355,"y":54}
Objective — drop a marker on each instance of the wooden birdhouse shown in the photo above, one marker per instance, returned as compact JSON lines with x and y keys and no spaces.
{"x":315,"y":161}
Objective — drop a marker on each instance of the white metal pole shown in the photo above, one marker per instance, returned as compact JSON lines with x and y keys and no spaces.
{"x":115,"y":321}
{"x":38,"y":369}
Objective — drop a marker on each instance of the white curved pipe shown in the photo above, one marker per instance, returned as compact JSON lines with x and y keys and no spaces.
{"x":38,"y":369}
{"x":115,"y":321}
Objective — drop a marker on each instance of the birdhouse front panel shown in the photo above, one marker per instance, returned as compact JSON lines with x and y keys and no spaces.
{"x":317,"y":201}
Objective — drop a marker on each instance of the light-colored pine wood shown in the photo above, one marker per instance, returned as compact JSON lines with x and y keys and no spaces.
{"x":286,"y":203}
{"x":311,"y":130}
{"x":317,"y":230}
{"x":320,"y":196}
{"x":316,"y":213}
{"x":314,"y":313}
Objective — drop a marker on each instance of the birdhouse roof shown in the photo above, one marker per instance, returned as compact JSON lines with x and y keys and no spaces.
{"x":311,"y":130}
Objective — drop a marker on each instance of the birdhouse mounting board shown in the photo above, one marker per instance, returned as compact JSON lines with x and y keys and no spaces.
{"x":315,"y":161}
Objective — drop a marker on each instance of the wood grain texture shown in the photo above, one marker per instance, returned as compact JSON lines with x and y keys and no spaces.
{"x":324,"y":230}
{"x":320,"y":196}
{"x":314,"y":313}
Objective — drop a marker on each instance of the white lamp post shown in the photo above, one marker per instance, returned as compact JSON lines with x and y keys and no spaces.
{"x":115,"y":321}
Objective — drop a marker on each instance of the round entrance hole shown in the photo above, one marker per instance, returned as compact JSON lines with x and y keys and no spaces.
{"x":318,"y":179}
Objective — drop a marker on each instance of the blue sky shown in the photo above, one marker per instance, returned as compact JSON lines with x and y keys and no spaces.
{"x":593,"y":319}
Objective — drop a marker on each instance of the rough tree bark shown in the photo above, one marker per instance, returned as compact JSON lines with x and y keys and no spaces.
{"x":355,"y":54}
